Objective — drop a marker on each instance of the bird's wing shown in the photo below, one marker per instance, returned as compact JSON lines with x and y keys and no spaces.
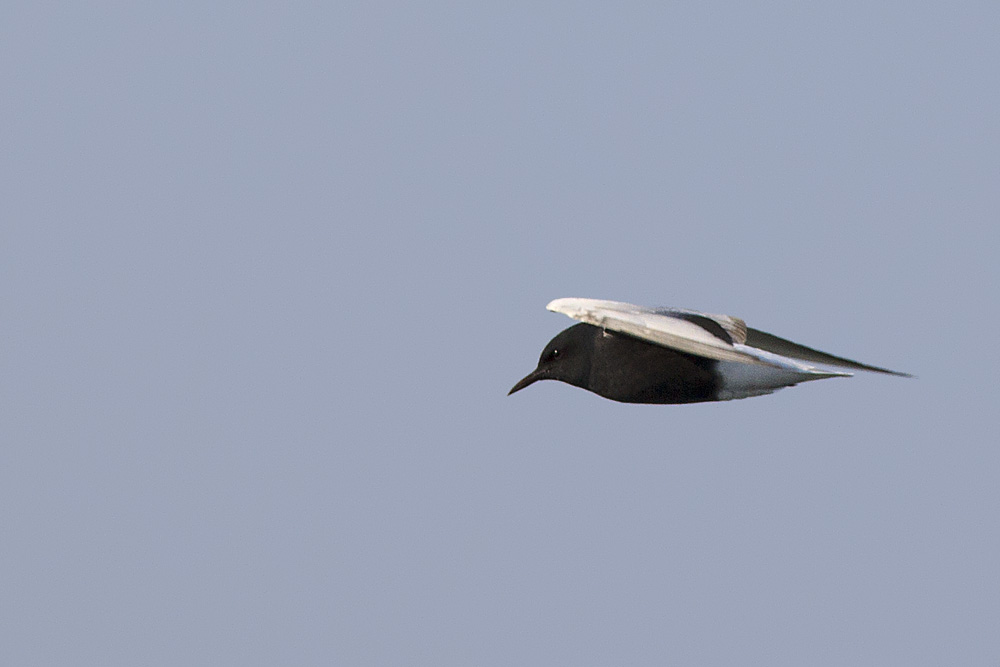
{"x":713,"y":336}
{"x":786,"y":348}
{"x":718,"y":337}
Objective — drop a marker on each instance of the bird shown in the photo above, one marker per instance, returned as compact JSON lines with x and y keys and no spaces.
{"x":637,"y":354}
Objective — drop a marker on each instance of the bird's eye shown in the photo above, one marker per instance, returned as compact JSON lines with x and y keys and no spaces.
{"x":555,"y":354}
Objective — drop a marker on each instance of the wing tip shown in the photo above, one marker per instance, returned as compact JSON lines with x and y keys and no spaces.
{"x":572,"y":304}
{"x":556,"y":305}
{"x":883,"y":371}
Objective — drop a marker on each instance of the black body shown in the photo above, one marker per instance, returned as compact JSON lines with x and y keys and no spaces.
{"x":623,"y":368}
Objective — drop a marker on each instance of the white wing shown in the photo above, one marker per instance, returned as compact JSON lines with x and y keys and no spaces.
{"x":669,"y":328}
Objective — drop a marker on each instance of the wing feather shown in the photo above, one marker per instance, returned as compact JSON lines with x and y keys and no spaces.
{"x":719,"y":337}
{"x":786,"y":348}
{"x":671,"y":328}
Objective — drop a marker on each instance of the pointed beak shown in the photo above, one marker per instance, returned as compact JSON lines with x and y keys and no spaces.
{"x":530,"y":378}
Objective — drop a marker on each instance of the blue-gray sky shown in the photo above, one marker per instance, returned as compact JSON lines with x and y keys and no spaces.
{"x":267,"y":274}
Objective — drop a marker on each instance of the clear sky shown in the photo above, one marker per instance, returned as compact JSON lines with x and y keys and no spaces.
{"x":267,"y":274}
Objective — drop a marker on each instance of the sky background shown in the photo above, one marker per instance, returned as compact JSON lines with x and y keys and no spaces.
{"x":267,"y":272}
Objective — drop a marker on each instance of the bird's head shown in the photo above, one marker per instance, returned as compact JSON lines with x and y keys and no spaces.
{"x":566,"y":358}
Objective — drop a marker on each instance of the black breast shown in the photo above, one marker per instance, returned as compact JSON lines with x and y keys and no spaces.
{"x":631,"y":370}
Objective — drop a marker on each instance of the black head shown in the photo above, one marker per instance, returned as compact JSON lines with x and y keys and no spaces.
{"x":566,"y":358}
